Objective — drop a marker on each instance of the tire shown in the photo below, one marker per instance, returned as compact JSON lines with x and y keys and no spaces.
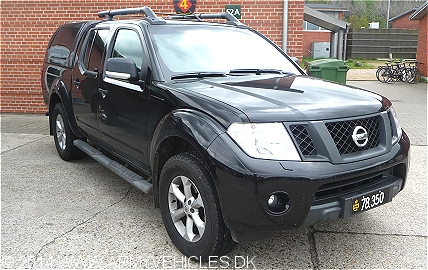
{"x":377,"y":74}
{"x":416,"y":76}
{"x":405,"y":75}
{"x":383,"y":74}
{"x":379,"y":71}
{"x":191,"y":210}
{"x":410,"y":75}
{"x":393,"y":76}
{"x":63,"y":136}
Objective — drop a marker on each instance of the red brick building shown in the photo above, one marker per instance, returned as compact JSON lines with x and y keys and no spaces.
{"x":420,"y":16}
{"x":27,"y":25}
{"x":403,"y":21}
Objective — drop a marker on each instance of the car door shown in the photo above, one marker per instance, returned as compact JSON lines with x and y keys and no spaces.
{"x":88,"y":67}
{"x":123,"y":105}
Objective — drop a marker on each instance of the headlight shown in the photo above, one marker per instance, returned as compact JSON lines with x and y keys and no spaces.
{"x":264,"y":140}
{"x":396,"y":124}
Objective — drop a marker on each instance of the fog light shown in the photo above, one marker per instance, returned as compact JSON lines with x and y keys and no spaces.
{"x":278,"y":202}
{"x":273,"y":200}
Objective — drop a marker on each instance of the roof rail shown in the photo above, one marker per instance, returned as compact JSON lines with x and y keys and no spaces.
{"x":150,"y":15}
{"x":200,"y":17}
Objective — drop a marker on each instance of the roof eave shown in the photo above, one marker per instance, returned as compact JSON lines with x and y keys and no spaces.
{"x":403,"y":14}
{"x":420,"y":13}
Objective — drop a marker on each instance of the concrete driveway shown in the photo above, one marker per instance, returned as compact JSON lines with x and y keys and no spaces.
{"x":57,"y":214}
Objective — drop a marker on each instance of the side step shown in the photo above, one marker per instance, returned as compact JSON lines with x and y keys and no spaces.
{"x":133,"y":178}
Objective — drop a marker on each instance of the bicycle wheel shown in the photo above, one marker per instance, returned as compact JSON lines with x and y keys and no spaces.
{"x":379,"y":69}
{"x":406,"y":74}
{"x":417,"y":76}
{"x":382,"y":74}
{"x":392,"y":76}
{"x":411,"y":75}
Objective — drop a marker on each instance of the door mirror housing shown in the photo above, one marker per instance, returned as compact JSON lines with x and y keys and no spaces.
{"x":122,"y":69}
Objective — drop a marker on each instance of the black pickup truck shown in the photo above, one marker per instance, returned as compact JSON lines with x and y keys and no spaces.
{"x":229,"y":134}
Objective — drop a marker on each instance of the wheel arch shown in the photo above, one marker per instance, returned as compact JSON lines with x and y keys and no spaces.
{"x":60,"y":94}
{"x":181,"y":131}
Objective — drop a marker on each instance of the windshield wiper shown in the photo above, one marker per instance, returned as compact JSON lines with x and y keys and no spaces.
{"x":256,"y":71}
{"x":197,"y":75}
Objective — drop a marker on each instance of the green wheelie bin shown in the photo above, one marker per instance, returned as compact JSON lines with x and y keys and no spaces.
{"x":328,"y":69}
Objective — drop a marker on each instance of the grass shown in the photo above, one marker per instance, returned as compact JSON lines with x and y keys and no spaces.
{"x":361,"y":64}
{"x":354,"y":63}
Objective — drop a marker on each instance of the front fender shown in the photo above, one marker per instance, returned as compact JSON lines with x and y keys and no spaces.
{"x":195,"y":127}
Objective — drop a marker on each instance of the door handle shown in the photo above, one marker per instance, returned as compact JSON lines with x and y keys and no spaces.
{"x":77,"y":83}
{"x":103,"y":92}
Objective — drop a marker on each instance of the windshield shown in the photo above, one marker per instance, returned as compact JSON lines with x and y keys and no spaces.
{"x":188,"y":49}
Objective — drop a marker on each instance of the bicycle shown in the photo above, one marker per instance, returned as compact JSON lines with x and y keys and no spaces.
{"x":390,"y":73}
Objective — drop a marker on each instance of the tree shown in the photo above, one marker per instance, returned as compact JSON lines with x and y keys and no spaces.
{"x":359,"y":22}
{"x":366,"y":11}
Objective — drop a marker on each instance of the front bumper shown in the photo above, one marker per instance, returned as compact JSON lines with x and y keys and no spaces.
{"x":343,"y":207}
{"x":316,"y":191}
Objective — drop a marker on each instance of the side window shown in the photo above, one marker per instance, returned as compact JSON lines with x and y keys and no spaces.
{"x":89,"y":42}
{"x":95,"y":46}
{"x":60,"y":47}
{"x":128,"y":45}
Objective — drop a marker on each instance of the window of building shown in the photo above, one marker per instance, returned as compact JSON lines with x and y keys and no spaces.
{"x":312,"y":27}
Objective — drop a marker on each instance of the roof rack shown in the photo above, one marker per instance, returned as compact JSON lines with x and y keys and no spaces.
{"x":200,"y":17}
{"x":150,"y":15}
{"x":153,"y":19}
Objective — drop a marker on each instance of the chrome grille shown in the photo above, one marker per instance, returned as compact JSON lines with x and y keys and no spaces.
{"x":303,"y":140}
{"x":341,"y":132}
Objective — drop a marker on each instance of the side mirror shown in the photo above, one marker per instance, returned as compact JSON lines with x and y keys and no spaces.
{"x":121,"y":69}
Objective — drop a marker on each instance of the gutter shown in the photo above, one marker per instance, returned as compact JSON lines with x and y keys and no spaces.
{"x":285,"y":27}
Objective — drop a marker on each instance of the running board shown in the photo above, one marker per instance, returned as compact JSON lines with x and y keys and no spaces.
{"x":130,"y":176}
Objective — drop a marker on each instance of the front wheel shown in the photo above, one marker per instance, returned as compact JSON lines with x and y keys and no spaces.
{"x":383,"y":74}
{"x":63,"y":136}
{"x":191,"y":210}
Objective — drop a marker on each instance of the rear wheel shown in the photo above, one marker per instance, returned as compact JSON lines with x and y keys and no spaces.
{"x":63,"y":136}
{"x":406,"y":75}
{"x":416,"y":76}
{"x":382,"y":74}
{"x":393,"y":75}
{"x":191,"y":210}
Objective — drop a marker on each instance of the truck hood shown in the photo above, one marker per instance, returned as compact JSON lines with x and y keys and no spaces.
{"x":286,"y":97}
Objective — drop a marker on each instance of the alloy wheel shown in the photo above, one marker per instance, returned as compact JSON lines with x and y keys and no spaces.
{"x":186,"y":208}
{"x":60,"y":132}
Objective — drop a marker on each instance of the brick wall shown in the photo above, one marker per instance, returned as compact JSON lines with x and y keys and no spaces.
{"x":26,"y":27}
{"x":313,"y":36}
{"x":404,"y":22}
{"x":421,"y":55}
